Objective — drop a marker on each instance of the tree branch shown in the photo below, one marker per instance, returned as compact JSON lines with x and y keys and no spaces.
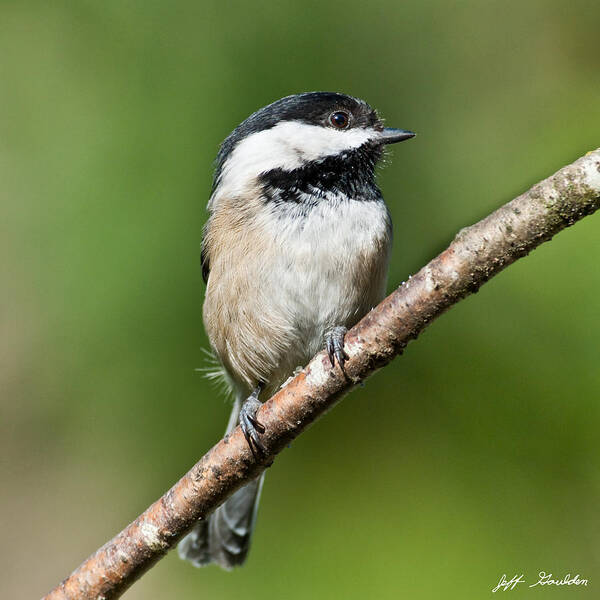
{"x":477,"y":253}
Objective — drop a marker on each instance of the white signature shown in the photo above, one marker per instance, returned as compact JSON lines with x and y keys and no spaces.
{"x":543,"y":579}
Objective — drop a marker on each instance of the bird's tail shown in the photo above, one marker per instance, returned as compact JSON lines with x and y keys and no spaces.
{"x":224,"y":538}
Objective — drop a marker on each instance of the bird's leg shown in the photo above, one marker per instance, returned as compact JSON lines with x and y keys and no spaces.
{"x":250,"y":426}
{"x":334,"y":341}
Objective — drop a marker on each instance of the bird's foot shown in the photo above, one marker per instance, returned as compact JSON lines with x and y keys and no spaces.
{"x":251,"y":427}
{"x":334,"y":340}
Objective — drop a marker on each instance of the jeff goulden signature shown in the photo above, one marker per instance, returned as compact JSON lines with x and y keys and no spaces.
{"x":544,"y":579}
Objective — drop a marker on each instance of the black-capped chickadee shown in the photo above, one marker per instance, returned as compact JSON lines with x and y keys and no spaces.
{"x":295,"y":252}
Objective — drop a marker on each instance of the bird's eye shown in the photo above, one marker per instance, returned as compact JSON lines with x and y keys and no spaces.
{"x":340,"y":120}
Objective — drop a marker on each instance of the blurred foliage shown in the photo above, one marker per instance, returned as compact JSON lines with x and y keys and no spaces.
{"x":473,"y":455}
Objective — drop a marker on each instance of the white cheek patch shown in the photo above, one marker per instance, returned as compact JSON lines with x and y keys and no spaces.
{"x":288,"y":146}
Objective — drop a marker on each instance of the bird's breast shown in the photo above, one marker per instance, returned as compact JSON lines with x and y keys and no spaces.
{"x":331,"y":267}
{"x":280,"y":282}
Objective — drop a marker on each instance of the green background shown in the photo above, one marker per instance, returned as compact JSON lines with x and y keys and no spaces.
{"x":473,"y":455}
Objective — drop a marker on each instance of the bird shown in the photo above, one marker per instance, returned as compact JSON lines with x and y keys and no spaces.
{"x":294,"y":253}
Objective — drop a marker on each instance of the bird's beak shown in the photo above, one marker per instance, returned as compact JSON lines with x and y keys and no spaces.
{"x":390,"y":135}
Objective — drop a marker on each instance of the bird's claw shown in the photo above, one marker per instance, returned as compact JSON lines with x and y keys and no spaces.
{"x":251,"y":427}
{"x":334,"y":339}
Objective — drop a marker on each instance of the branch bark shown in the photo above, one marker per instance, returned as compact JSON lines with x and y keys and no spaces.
{"x":477,"y":253}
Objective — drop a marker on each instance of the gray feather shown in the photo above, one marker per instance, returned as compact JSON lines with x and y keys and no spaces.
{"x":224,"y":538}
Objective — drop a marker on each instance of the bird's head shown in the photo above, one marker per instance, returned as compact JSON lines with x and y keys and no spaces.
{"x":310,"y":141}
